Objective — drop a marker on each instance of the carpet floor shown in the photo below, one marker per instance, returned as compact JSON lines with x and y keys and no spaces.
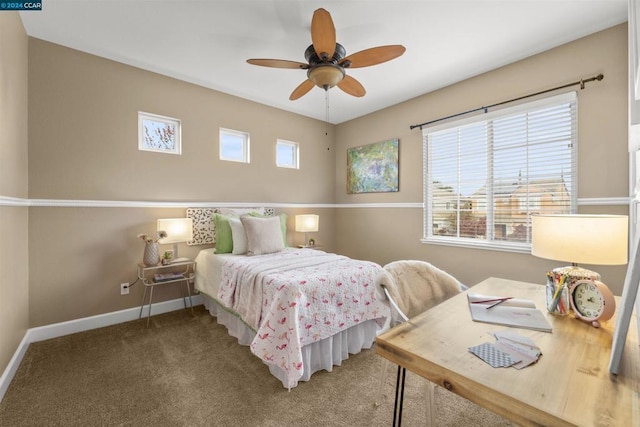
{"x":186,"y":370}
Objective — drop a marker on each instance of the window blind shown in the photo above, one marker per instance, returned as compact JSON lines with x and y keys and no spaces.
{"x":485,"y":176}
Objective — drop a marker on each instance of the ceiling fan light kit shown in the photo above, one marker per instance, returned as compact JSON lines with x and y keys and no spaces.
{"x":327,"y":60}
{"x":326,"y":75}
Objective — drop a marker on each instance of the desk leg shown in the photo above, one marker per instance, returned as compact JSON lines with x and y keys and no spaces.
{"x":397,"y":409}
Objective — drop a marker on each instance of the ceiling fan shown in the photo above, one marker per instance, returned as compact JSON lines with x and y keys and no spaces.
{"x":326,"y":60}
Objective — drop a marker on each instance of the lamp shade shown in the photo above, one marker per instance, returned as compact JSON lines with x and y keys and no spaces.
{"x":307,"y":223}
{"x":178,"y":229}
{"x":584,"y":239}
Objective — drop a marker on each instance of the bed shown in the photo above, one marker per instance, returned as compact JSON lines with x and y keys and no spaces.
{"x":299,"y":310}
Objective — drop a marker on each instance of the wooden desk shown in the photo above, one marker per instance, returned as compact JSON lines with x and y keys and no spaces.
{"x":570,"y":384}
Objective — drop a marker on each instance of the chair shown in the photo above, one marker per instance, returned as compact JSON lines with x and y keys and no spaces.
{"x":410,"y":287}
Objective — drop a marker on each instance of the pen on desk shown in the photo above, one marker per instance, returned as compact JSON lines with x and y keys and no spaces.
{"x":491,"y":300}
{"x":496,"y":303}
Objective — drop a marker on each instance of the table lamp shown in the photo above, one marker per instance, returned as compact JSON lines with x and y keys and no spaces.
{"x":178,"y":230}
{"x":307,"y":224}
{"x":585,"y":239}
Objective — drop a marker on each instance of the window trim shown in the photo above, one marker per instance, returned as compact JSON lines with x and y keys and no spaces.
{"x":296,"y":153}
{"x":167,"y":122}
{"x":499,"y":245}
{"x":245,"y":145}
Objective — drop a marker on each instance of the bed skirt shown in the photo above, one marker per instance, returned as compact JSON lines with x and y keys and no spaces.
{"x":323,"y":354}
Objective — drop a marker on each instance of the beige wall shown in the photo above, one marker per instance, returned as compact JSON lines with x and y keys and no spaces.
{"x":14,"y":272}
{"x":83,"y":146}
{"x":79,"y":256}
{"x":83,"y":138}
{"x":387,"y":234}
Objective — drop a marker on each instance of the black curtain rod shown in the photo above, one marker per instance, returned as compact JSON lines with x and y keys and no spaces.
{"x":580,"y":82}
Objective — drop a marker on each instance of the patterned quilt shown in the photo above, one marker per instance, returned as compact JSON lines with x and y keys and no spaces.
{"x":296,"y":297}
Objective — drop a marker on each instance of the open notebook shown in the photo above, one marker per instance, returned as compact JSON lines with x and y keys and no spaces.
{"x":513,"y":312}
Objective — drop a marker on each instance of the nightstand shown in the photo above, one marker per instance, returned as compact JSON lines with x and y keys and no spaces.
{"x":157,"y":275}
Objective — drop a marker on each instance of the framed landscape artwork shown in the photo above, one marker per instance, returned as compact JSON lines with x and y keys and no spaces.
{"x":159,"y":133}
{"x":373,"y":168}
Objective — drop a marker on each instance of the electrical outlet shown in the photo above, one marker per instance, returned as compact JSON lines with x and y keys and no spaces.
{"x":124,"y":288}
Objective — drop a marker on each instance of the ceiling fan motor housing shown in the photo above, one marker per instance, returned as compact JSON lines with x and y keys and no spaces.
{"x":325,"y":73}
{"x":312,"y":57}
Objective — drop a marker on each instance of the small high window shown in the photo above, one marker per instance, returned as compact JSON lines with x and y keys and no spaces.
{"x":287,"y":154}
{"x":234,"y":145}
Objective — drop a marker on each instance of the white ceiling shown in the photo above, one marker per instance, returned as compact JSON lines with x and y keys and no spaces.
{"x":207,"y":42}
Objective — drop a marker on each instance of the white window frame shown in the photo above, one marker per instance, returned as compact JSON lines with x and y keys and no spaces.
{"x":295,"y":147}
{"x":168,"y":140}
{"x":429,"y":234}
{"x":244,"y":158}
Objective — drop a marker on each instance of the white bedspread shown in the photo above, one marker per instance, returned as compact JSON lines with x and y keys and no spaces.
{"x":297,"y":297}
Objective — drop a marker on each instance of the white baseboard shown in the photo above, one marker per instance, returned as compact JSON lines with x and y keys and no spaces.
{"x":55,"y":330}
{"x":12,"y":367}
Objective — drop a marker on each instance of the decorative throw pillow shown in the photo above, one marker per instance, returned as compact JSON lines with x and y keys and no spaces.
{"x":224,"y":239}
{"x":264,"y":234}
{"x":283,"y":224}
{"x":238,"y":235}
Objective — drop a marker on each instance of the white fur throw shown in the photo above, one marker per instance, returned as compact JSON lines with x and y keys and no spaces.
{"x":415,"y":286}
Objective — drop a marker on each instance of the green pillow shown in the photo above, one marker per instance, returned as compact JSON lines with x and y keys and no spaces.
{"x":283,"y":224}
{"x":224,"y":238}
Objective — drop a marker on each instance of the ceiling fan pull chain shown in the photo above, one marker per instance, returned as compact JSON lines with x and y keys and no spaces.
{"x":326,"y":103}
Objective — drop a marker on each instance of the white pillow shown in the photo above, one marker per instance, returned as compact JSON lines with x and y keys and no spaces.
{"x":239,"y":236}
{"x":264,"y":235}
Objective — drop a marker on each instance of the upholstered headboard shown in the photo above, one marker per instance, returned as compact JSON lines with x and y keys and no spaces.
{"x":204,"y":232}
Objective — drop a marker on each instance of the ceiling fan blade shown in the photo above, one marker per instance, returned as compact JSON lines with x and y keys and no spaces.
{"x":301,"y":90}
{"x":373,"y":56}
{"x":278,"y":63}
{"x":352,"y":86}
{"x":323,"y":34}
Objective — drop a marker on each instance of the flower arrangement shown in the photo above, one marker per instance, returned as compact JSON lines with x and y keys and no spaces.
{"x":160,"y":235}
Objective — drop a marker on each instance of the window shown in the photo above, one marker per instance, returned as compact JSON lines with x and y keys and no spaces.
{"x":531,"y":202}
{"x":485,"y":176}
{"x":234,"y":145}
{"x":158,"y":133}
{"x":286,"y":154}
